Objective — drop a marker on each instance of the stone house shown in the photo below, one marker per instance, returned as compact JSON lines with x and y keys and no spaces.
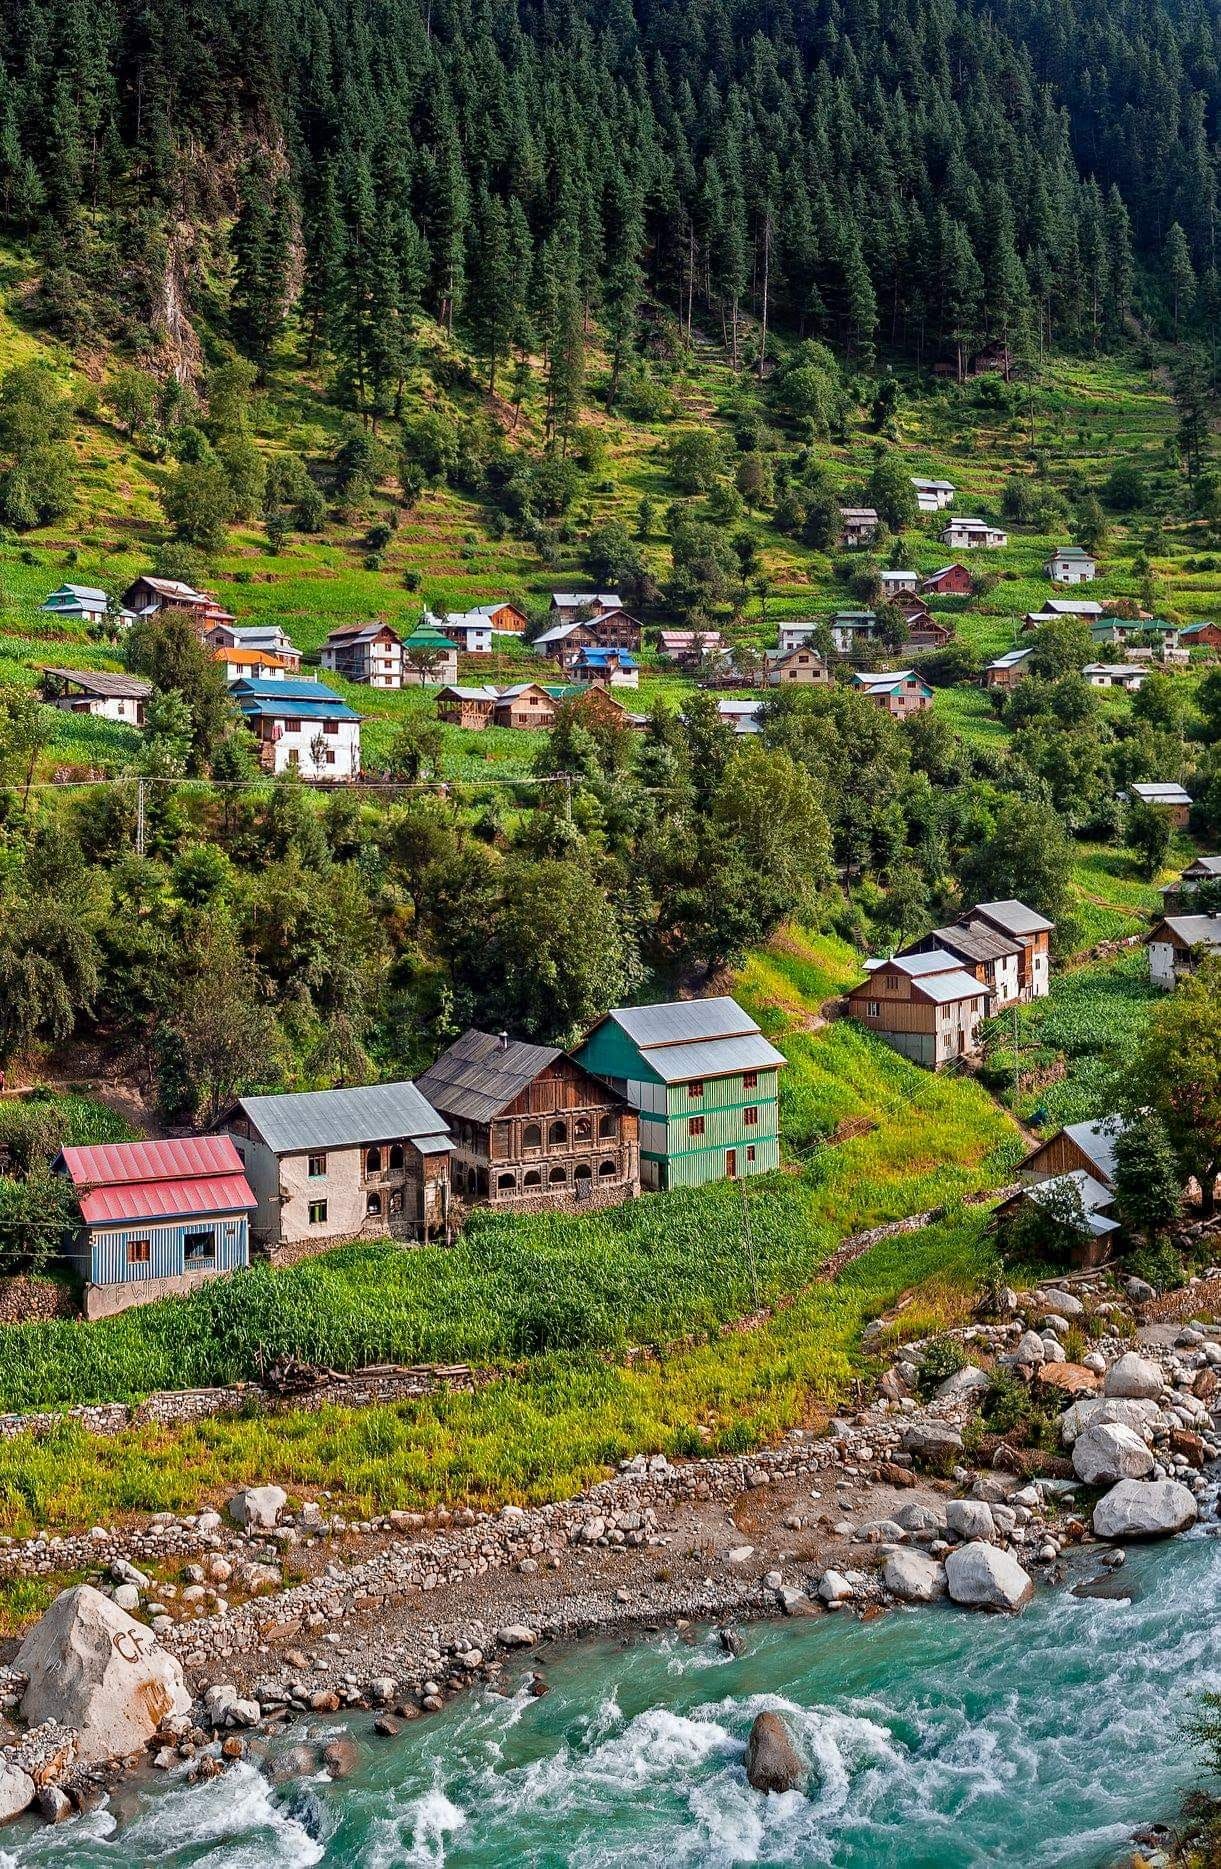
{"x":1068,"y":564}
{"x":895,"y":581}
{"x":330,"y":1165}
{"x":858,"y":524}
{"x":532,"y":1127}
{"x":1008,"y":669}
{"x":523,"y":706}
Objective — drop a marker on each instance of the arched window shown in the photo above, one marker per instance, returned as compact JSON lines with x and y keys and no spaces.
{"x":582,"y":1172}
{"x":472,"y":1181}
{"x":373,"y":1162}
{"x":557,"y":1176}
{"x":532,"y":1178}
{"x":585,"y":1128}
{"x":608,"y":1124}
{"x":558,"y":1132}
{"x":374,"y":1204}
{"x":607,"y":1170}
{"x":532,"y":1137}
{"x":396,"y":1201}
{"x":505,"y":1183}
{"x":396,"y":1155}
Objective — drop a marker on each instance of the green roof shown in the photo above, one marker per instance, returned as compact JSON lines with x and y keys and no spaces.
{"x":428,"y":639}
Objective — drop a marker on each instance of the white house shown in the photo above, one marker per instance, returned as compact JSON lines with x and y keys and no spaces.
{"x":1177,"y":943}
{"x":471,"y":630}
{"x":895,"y":581}
{"x":741,"y":716}
{"x":370,"y":654}
{"x":970,"y":534}
{"x":849,"y":626}
{"x":1068,"y":564}
{"x":933,"y":495}
{"x":98,"y":692}
{"x":301,"y":727}
{"x":268,"y":638}
{"x":1128,"y":675}
{"x":83,"y":602}
{"x":1031,"y":931}
{"x":794,"y":635}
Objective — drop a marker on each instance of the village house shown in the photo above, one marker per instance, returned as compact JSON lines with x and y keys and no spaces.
{"x":928,"y":632}
{"x":369,"y":654}
{"x":1087,"y":1148}
{"x":690,"y":646}
{"x":244,"y":664}
{"x":1138,"y":637}
{"x":783,"y":667}
{"x":593,"y":703}
{"x":899,"y":690}
{"x":1086,"y":609}
{"x":706,"y":1084}
{"x":301,"y":726}
{"x":157,"y":1219}
{"x":858,"y":524}
{"x":933,"y":495}
{"x":467,"y":707}
{"x":993,"y":958}
{"x":1032,"y":932}
{"x":1068,"y":564}
{"x":429,"y":657}
{"x":793,"y":635}
{"x":1200,"y":872}
{"x":1167,"y":797}
{"x":474,"y":629}
{"x":571,"y":606}
{"x":149,"y":596}
{"x":741,"y":716}
{"x":328,"y":1165}
{"x":910,"y":605}
{"x":83,"y":604}
{"x":972,"y":535}
{"x":848,"y":627}
{"x":532,"y":1127}
{"x":268,"y":638}
{"x":1178,"y":943}
{"x":924,"y":1006}
{"x":1128,"y":675}
{"x":98,"y":692}
{"x":1078,"y":1161}
{"x":1008,"y":669}
{"x":895,"y":581}
{"x":525,"y":705}
{"x":949,"y":581}
{"x":615,"y":666}
{"x":1200,"y":636}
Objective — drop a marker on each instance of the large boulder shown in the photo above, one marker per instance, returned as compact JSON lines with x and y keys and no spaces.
{"x":982,"y":1577}
{"x":1031,"y":1349}
{"x":970,"y":1518}
{"x":1060,"y":1303}
{"x":921,"y":1520}
{"x":934,"y":1442}
{"x":914,"y":1576}
{"x":1108,"y":1452}
{"x":93,"y":1667}
{"x":1144,"y":1509}
{"x":1134,"y":1378}
{"x":772,"y":1761}
{"x":17,"y":1793}
{"x":964,"y":1384}
{"x":258,"y":1507}
{"x":1144,"y":1417}
{"x":1069,"y":1378}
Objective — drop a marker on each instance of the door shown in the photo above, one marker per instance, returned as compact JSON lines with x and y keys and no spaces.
{"x":731,"y":1163}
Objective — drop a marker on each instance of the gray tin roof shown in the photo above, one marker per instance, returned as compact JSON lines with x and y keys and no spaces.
{"x":691,"y":1038}
{"x":479,"y":1076}
{"x":1097,"y":1143}
{"x":333,"y":1119}
{"x":1014,"y":917}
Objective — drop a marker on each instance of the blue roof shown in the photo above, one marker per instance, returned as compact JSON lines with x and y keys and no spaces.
{"x":599,"y":656}
{"x":307,"y":700}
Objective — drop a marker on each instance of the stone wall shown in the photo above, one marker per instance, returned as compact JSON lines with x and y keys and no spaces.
{"x":27,"y":1300}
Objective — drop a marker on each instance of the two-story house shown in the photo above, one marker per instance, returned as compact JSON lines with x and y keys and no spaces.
{"x":1069,"y":564}
{"x":1178,"y":943}
{"x":1031,"y":931}
{"x":301,"y":726}
{"x":899,"y":690}
{"x":924,"y":1005}
{"x":370,"y":654}
{"x":994,"y":958}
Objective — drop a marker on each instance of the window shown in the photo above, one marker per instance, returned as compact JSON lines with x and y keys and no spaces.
{"x":608,"y":1125}
{"x":873,"y":1009}
{"x":607,"y":1171}
{"x":532,"y":1137}
{"x":695,"y":1125}
{"x":139,"y":1252}
{"x":750,"y":1116}
{"x":199,"y":1247}
{"x":557,"y":1176}
{"x":696,"y":1087}
{"x":317,"y":1167}
{"x":317,"y":1213}
{"x":505,"y":1184}
{"x":330,"y":726}
{"x":396,"y":1155}
{"x":750,"y":1080}
{"x":374,"y":1204}
{"x":750,"y":1152}
{"x":373,"y":1161}
{"x":558,"y":1132}
{"x":532,"y":1178}
{"x":584,"y":1128}
{"x":582,"y":1172}
{"x":292,"y":726}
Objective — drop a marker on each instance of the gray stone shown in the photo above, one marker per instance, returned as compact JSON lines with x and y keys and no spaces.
{"x":1108,"y":1452}
{"x":1144,"y":1509}
{"x":54,"y":1806}
{"x":772,"y":1761}
{"x":914,"y":1577}
{"x":516,"y":1635}
{"x":93,"y":1667}
{"x":16,"y":1792}
{"x":980,"y":1576}
{"x":965,"y":1383}
{"x":970,"y":1518}
{"x":258,"y":1507}
{"x":921,"y":1521}
{"x":833,"y":1587}
{"x":1139,"y":1290}
{"x":1031,"y":1348}
{"x":1144,"y":1417}
{"x":1134,"y":1379}
{"x":932,"y":1439}
{"x":1063,"y":1302}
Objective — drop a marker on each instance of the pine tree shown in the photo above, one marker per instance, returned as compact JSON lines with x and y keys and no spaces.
{"x":259,"y":245}
{"x":1180,"y":273}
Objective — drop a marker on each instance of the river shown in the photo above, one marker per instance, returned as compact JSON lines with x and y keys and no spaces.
{"x":936,"y":1738}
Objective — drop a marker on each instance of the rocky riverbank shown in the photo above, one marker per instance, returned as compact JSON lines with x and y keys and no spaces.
{"x":891,"y":1505}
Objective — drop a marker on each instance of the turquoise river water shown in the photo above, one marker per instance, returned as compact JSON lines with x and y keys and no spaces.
{"x":934,"y":1738}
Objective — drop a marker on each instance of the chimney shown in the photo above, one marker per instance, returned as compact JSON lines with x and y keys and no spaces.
{"x":504,"y":1041}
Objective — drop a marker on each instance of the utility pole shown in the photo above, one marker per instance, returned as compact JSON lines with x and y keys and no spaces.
{"x":139,"y":817}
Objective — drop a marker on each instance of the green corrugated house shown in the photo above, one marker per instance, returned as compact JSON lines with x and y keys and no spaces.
{"x":705,"y":1081}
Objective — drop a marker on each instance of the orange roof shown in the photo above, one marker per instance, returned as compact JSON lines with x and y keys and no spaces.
{"x":251,"y":658}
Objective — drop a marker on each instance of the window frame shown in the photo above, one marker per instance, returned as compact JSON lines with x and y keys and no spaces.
{"x":313,"y":1173}
{"x":140,"y":1252}
{"x":318,"y":1213}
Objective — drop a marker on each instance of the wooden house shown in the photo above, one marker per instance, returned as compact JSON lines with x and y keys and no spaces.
{"x":705,"y":1082}
{"x":1178,"y":943}
{"x":962,"y":534}
{"x":1095,"y":1201}
{"x":1031,"y":931}
{"x":803,"y":666}
{"x":149,"y":596}
{"x":1008,"y":669}
{"x":690,"y":646}
{"x":157,"y":1219}
{"x":473,"y":630}
{"x":369,"y":654}
{"x":1200,"y":636}
{"x":1069,"y":564}
{"x":949,"y":581}
{"x":900,"y":691}
{"x":928,"y":632}
{"x":1174,"y":800}
{"x":302,"y":727}
{"x":532,"y":1127}
{"x":618,"y":667}
{"x":993,"y":358}
{"x":595,"y":704}
{"x":268,"y":638}
{"x":993,"y":958}
{"x":1135,"y":636}
{"x":1077,"y":1148}
{"x":1087,"y":609}
{"x":467,"y":707}
{"x":100,"y":692}
{"x":858,"y":524}
{"x":909,"y":604}
{"x":1200,"y":872}
{"x":925,"y":1006}
{"x":523,"y":706}
{"x":569,"y":606}
{"x":329,"y":1165}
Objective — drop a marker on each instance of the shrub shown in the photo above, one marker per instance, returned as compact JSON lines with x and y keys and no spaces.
{"x":942,"y":1358}
{"x":1160,"y":1266}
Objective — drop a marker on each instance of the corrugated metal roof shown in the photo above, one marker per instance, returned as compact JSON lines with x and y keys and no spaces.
{"x":479,"y":1076}
{"x":976,"y":941}
{"x":1161,"y":793}
{"x":936,"y":960}
{"x":1097,"y":1143}
{"x":944,"y":988}
{"x":1094,"y":1196}
{"x":166,"y":1200}
{"x":1195,"y":930}
{"x":713,"y":1057}
{"x":330,"y":1119}
{"x":682,"y":1021}
{"x":1014,"y":917}
{"x":114,"y":1164}
{"x":104,"y":682}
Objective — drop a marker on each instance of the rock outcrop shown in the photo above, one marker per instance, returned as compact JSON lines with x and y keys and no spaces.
{"x":1134,"y":1378}
{"x":914,"y":1576}
{"x":93,"y":1667}
{"x":772,"y":1761}
{"x":258,"y":1508}
{"x":1108,"y":1452}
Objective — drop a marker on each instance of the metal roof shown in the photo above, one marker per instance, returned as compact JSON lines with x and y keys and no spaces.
{"x":976,"y":941}
{"x":935,"y":960}
{"x":713,"y":1057}
{"x":944,"y":988}
{"x":1096,"y":1142}
{"x":1194,"y":930}
{"x":1161,"y":793}
{"x":1094,"y":1197}
{"x":470,"y":694}
{"x":83,"y":594}
{"x":1011,"y":658}
{"x":1072,"y":551}
{"x":941,"y":486}
{"x":103,"y":682}
{"x":332,"y":1119}
{"x":136,"y":1181}
{"x":556,"y":633}
{"x":681,"y":1021}
{"x":572,"y":600}
{"x":481,"y":1074}
{"x":1071,"y":607}
{"x":307,"y":700}
{"x":1013,"y":917}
